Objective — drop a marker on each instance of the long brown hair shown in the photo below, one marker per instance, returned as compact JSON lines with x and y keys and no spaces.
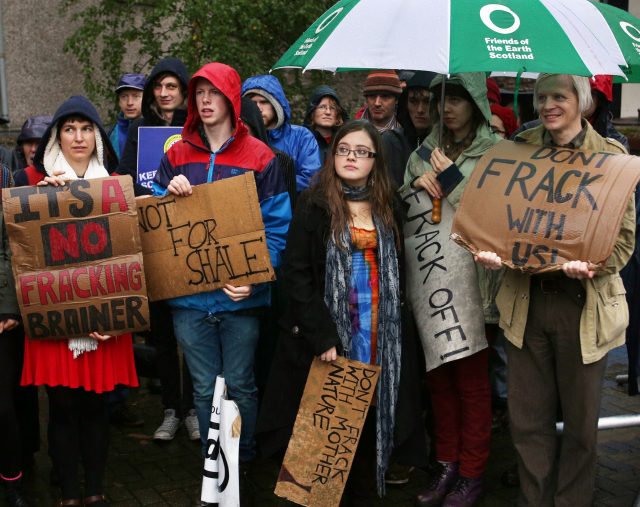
{"x":328,"y":185}
{"x":451,"y":148}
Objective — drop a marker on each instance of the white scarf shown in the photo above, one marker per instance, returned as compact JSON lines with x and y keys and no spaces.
{"x":53,"y":159}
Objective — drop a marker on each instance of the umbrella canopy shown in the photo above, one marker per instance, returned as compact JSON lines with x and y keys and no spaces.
{"x":451,"y":36}
{"x":626,"y":29}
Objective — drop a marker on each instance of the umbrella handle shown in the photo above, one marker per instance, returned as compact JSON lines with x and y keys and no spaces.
{"x":436,"y":211}
{"x":444,"y":83}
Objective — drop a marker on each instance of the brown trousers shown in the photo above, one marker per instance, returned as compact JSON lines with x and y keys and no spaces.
{"x":545,"y":374}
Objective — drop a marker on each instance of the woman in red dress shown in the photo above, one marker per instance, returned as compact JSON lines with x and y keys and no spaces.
{"x":77,"y":372}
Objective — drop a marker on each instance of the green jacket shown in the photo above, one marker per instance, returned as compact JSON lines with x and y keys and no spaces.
{"x":605,"y":315}
{"x":475,"y":84}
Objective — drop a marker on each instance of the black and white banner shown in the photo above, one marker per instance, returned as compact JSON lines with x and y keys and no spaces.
{"x":442,"y":284}
{"x":220,"y":479}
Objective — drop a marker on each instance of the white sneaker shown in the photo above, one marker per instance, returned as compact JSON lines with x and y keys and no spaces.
{"x":191,"y":425}
{"x":167,"y":430}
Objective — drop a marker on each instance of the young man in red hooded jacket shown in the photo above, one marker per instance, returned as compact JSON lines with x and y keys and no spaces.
{"x":221,"y":327}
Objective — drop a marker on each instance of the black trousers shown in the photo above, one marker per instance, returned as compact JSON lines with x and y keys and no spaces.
{"x":78,"y":431}
{"x":19,"y":427}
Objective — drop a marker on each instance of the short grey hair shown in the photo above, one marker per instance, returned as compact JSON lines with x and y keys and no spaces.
{"x":581,"y":86}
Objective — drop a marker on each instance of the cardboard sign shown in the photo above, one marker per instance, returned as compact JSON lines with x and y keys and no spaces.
{"x":442,"y":284}
{"x":153,"y":143}
{"x":77,"y":258}
{"x":538,"y":207}
{"x":198,"y":243}
{"x":325,"y":437}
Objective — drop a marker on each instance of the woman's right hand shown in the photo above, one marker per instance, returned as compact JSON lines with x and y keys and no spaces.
{"x":8,"y":325}
{"x":180,"y":185}
{"x":429,"y":182}
{"x":488,"y":260}
{"x":329,"y":355}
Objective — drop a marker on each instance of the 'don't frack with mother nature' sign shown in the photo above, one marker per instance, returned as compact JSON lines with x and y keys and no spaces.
{"x":200,"y":242}
{"x":538,"y":207}
{"x":77,"y":258}
{"x":334,"y":406}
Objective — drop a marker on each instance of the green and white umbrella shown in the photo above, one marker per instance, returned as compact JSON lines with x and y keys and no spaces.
{"x":626,"y":29}
{"x":450,"y":36}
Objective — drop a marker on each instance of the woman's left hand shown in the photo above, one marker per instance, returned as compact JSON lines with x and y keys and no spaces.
{"x":439,"y":161}
{"x":329,"y":355}
{"x":55,"y":179}
{"x":100,"y":337}
{"x":237,"y":293}
{"x":577,"y":270}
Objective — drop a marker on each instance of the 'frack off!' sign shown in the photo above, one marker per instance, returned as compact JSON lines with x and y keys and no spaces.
{"x":538,"y":207}
{"x":442,"y":285}
{"x":198,"y":243}
{"x":77,"y":258}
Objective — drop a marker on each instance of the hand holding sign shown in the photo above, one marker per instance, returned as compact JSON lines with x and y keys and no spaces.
{"x":180,"y":185}
{"x":100,"y":337}
{"x":237,"y":293}
{"x":329,"y":355}
{"x":56,"y":179}
{"x":489,"y":260}
{"x":577,"y":270}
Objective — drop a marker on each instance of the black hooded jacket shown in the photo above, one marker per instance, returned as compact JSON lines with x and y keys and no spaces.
{"x":250,"y":115}
{"x":80,"y":106}
{"x":150,"y":118}
{"x":314,"y":99}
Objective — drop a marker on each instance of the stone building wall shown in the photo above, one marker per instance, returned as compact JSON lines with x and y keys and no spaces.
{"x":39,"y":74}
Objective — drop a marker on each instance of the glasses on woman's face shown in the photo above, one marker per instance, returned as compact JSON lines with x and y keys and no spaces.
{"x":344,"y":151}
{"x":327,"y":108}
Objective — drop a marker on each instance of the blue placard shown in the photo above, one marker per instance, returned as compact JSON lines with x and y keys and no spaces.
{"x":153,"y":143}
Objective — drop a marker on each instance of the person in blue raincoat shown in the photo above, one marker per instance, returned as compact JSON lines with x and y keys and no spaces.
{"x":296,"y":141}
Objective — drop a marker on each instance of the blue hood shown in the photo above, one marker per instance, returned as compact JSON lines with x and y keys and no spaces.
{"x":272,"y":86}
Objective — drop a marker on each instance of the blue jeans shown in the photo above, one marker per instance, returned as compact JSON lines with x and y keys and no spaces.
{"x":221,"y":344}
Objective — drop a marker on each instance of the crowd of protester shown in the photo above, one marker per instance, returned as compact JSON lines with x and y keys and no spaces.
{"x":329,"y":198}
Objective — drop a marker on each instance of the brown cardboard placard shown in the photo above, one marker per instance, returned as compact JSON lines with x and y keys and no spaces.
{"x":77,"y":258}
{"x":198,"y":243}
{"x":538,"y":207}
{"x":336,"y":399}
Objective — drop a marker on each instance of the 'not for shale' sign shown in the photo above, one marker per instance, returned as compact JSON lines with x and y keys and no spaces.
{"x":200,"y":242}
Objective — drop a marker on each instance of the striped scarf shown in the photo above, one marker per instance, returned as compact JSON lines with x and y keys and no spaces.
{"x":337,"y":279}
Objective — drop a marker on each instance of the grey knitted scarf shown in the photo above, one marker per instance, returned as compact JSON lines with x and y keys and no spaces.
{"x":337,"y":281}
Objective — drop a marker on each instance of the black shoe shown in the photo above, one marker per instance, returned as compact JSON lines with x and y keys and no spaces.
{"x":247,"y":487}
{"x":510,"y":477}
{"x":14,"y":495}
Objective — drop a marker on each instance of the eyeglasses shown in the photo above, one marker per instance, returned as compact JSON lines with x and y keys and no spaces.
{"x":325,"y":107}
{"x":343,"y":151}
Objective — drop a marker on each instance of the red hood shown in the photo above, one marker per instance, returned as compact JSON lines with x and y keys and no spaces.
{"x":225,"y":79}
{"x":602,"y":84}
